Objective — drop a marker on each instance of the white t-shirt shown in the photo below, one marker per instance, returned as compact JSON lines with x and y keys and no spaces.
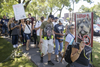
{"x":69,"y":37}
{"x":27,"y":30}
{"x":54,"y":23}
{"x":38,"y":24}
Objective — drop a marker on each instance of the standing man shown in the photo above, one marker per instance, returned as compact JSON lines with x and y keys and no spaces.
{"x":37,"y":27}
{"x":58,"y":30}
{"x":4,"y":23}
{"x":47,"y":38}
{"x":55,"y":21}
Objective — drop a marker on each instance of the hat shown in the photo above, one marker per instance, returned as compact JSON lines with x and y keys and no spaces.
{"x":61,"y":20}
{"x":51,"y":16}
{"x":56,"y":18}
{"x":28,"y":19}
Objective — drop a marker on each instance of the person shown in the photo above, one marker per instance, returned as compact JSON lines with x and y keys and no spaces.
{"x":37,"y":27}
{"x":0,"y":27}
{"x":34,"y":34}
{"x":32,"y":22}
{"x":4,"y":22}
{"x":47,"y":38}
{"x":14,"y":28}
{"x":80,"y":55}
{"x":28,"y":32}
{"x":55,"y":21}
{"x":9,"y":26}
{"x":58,"y":30}
{"x":22,"y":23}
{"x":68,"y":38}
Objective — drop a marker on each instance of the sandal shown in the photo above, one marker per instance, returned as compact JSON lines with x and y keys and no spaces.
{"x":27,"y":49}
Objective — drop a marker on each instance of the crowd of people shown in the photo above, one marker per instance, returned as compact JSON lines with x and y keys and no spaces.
{"x":45,"y":34}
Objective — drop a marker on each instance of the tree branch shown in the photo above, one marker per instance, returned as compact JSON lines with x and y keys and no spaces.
{"x":23,"y":1}
{"x":26,"y":4}
{"x":19,"y":1}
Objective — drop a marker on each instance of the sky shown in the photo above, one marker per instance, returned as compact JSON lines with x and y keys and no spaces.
{"x":77,"y":6}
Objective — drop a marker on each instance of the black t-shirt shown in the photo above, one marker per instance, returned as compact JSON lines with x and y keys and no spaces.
{"x":58,"y":29}
{"x":84,"y":56}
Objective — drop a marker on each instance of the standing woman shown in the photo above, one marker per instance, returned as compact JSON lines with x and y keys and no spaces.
{"x":28,"y":32}
{"x":9,"y":26}
{"x":22,"y":23}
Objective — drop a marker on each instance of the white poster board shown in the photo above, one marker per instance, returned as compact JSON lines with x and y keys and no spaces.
{"x":19,"y":11}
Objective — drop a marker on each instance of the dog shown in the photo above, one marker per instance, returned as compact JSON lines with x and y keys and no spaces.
{"x":83,"y":28}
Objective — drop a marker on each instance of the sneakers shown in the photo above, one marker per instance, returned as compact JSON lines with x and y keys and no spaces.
{"x":14,"y":46}
{"x":50,"y":63}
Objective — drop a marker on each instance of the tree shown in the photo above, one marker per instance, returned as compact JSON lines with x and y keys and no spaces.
{"x":70,"y":9}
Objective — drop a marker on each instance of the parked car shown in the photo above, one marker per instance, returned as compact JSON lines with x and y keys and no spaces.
{"x":96,"y":30}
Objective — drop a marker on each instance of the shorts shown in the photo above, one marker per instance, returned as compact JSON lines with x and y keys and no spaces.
{"x":38,"y":38}
{"x":47,"y":46}
{"x":27,"y":36}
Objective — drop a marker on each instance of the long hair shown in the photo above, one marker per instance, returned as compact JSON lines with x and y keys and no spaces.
{"x":10,"y":21}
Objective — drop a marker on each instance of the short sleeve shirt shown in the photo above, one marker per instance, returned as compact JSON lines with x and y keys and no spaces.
{"x":69,"y":37}
{"x":15,"y":30}
{"x":58,"y":29}
{"x":31,"y":20}
{"x":47,"y":29}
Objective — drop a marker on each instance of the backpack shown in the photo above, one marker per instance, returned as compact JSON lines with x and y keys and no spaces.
{"x":68,"y":53}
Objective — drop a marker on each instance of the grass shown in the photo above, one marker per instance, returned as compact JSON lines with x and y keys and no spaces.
{"x":96,"y":54}
{"x":5,"y":51}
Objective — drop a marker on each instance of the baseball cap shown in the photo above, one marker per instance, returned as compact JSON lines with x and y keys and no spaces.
{"x":56,"y":18}
{"x":51,"y":16}
{"x":61,"y":20}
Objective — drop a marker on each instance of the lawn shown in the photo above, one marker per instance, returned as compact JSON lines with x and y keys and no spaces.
{"x":96,"y":54}
{"x":5,"y":51}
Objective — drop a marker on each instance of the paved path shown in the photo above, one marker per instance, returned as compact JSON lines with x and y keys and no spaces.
{"x":34,"y":54}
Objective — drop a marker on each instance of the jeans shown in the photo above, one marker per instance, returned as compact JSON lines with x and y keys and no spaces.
{"x":14,"y":39}
{"x":57,"y":43}
{"x":4,"y":29}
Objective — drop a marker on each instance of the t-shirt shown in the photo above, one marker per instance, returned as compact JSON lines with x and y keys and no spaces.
{"x":38,"y":24}
{"x":4,"y":22}
{"x":47,"y":29}
{"x":69,"y":38}
{"x":27,"y":29}
{"x":31,"y":20}
{"x":58,"y":29}
{"x":15,"y":30}
{"x":86,"y":52}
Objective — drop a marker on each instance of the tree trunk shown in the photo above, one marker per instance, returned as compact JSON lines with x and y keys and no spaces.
{"x":19,"y":1}
{"x":61,"y":11}
{"x":51,"y":11}
{"x":25,"y":6}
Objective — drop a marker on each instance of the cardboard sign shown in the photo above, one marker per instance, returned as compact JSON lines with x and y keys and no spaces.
{"x":84,"y":28}
{"x":19,"y":11}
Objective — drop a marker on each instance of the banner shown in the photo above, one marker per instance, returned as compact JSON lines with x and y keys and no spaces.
{"x":19,"y":11}
{"x":84,"y":28}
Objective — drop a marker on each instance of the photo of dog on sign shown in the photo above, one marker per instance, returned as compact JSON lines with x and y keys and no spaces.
{"x":83,"y":29}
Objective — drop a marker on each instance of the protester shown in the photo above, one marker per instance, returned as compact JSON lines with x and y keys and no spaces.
{"x":47,"y":38}
{"x":27,"y":30}
{"x":55,"y":21}
{"x":58,"y":29}
{"x":9,"y":26}
{"x":31,"y":21}
{"x":4,"y":23}
{"x":22,"y":31}
{"x":38,"y":25}
{"x":0,"y":27}
{"x":68,"y":39}
{"x":14,"y":28}
{"x":34,"y":34}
